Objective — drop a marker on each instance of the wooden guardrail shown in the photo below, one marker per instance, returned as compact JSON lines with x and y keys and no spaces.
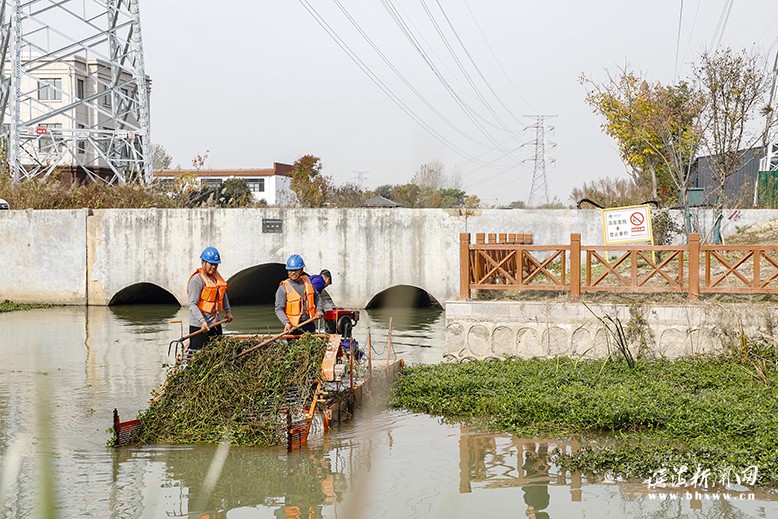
{"x":512,"y":262}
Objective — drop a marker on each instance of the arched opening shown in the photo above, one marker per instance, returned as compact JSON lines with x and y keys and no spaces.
{"x":256,"y":285}
{"x":143,"y":294}
{"x":403,"y":296}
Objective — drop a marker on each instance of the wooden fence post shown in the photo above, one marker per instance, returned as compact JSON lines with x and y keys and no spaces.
{"x":575,"y":266}
{"x":694,"y":266}
{"x":464,"y":266}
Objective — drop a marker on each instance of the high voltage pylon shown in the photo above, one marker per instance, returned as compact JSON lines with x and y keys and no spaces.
{"x":74,"y":92}
{"x":539,"y":183}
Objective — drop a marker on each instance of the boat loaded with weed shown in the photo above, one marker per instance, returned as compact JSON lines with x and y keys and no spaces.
{"x":261,"y":391}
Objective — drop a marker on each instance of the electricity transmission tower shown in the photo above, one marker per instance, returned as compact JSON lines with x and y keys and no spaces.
{"x":74,"y":95}
{"x":539,"y":191}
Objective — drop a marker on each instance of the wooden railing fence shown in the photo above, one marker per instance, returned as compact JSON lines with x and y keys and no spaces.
{"x":512,"y":262}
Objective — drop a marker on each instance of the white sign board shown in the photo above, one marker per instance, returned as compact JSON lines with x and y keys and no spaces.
{"x":627,"y":224}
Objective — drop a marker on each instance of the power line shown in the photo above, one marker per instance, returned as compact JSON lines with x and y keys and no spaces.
{"x":403,"y":78}
{"x":400,"y":22}
{"x":461,"y":66}
{"x":678,"y":43}
{"x":377,"y":81}
{"x":499,"y":64}
{"x":718,"y":34}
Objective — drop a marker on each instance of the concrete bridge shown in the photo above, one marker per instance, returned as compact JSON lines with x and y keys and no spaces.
{"x":395,"y":257}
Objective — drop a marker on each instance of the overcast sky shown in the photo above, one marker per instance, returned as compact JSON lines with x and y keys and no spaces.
{"x":376,"y":88}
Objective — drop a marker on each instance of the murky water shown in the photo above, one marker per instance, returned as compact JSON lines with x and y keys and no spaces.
{"x":64,"y":370}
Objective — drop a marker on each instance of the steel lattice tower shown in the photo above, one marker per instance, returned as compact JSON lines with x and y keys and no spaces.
{"x":539,"y":184}
{"x":74,"y":92}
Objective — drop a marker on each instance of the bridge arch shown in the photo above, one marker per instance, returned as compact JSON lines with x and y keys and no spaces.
{"x":143,"y":294}
{"x":403,"y":296}
{"x":255,"y":285}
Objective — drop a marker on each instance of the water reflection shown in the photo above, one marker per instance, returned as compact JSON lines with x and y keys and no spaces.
{"x":387,"y":463}
{"x":298,"y":484}
{"x":489,"y":461}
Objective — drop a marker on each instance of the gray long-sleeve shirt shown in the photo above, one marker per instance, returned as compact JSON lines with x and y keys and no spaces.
{"x":196,"y":316}
{"x":299,"y":286}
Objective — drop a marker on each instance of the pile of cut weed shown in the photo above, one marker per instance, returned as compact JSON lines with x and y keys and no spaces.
{"x":217,"y":397}
{"x":712,"y":412}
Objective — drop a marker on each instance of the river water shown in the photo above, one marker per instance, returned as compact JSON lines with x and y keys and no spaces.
{"x":63,"y":371}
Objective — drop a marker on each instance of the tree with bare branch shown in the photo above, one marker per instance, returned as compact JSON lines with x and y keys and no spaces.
{"x":735,"y":86}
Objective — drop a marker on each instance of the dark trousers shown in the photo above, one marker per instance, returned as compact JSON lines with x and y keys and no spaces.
{"x":201,"y":339}
{"x":310,"y":327}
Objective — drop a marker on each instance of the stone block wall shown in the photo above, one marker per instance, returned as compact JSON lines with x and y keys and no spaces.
{"x":524,"y":329}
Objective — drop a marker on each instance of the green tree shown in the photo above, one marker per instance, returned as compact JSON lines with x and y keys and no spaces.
{"x":407,"y":195}
{"x":677,"y":120}
{"x":625,"y":102}
{"x":235,"y":193}
{"x":657,"y":128}
{"x":308,"y":184}
{"x":451,"y":197}
{"x":472,"y":202}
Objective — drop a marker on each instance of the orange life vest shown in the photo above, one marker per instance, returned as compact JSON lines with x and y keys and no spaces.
{"x":294,"y":302}
{"x":212,"y":295}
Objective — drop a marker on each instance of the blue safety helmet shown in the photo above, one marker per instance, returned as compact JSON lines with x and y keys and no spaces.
{"x":211,"y":255}
{"x":295,"y":262}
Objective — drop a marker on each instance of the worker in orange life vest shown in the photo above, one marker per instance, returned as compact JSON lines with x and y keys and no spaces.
{"x":296,"y":299}
{"x":207,"y":292}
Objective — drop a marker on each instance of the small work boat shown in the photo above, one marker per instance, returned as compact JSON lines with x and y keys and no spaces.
{"x":348,"y":375}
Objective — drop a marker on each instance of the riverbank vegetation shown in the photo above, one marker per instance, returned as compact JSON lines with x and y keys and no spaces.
{"x":10,"y":306}
{"x":429,"y":187}
{"x":702,"y":413}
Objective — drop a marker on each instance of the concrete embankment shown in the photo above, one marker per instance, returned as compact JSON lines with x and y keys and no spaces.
{"x":526,"y":329}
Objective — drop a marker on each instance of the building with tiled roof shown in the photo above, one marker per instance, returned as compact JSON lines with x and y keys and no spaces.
{"x":270,"y":184}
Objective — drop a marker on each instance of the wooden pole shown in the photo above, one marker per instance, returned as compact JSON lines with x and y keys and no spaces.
{"x":694,"y":266}
{"x":389,"y":342}
{"x":253,"y":348}
{"x":575,"y":266}
{"x":464,"y":266}
{"x":369,"y":354}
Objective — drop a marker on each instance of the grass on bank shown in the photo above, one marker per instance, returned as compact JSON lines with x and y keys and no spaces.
{"x":714,"y":413}
{"x":10,"y":306}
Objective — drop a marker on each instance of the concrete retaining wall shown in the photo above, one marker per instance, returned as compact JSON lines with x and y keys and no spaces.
{"x":87,"y":257}
{"x":481,"y":330}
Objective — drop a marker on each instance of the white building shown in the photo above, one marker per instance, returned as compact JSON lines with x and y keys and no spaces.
{"x":78,"y":116}
{"x":270,"y":185}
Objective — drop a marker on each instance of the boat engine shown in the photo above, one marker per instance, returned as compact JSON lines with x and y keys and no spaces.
{"x":340,"y":321}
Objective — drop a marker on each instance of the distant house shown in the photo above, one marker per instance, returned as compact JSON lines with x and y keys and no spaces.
{"x":380,"y":201}
{"x":270,"y":185}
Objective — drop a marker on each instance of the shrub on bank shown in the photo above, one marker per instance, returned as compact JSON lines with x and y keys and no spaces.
{"x":51,"y":193}
{"x":714,"y":413}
